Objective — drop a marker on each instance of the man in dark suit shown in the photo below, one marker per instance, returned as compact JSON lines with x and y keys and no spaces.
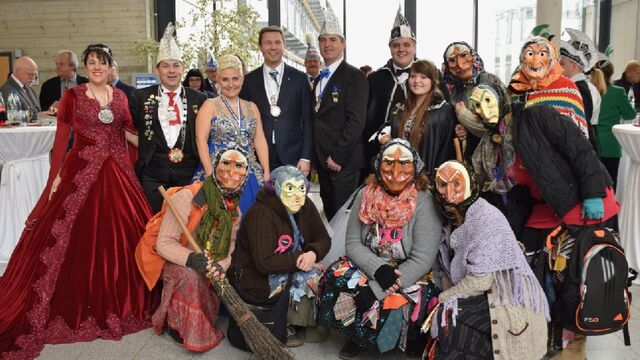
{"x":66,"y":77}
{"x":114,"y":78}
{"x":24,"y":72}
{"x":165,"y":117}
{"x":340,"y":105}
{"x":211,"y":70}
{"x":283,"y":97}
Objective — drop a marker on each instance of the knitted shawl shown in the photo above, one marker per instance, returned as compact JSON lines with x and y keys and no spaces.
{"x":483,"y":244}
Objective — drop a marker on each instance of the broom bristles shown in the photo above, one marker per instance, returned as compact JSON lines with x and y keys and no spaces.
{"x":259,"y":339}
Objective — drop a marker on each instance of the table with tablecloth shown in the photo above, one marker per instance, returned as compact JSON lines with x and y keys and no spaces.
{"x":24,"y":155}
{"x":628,"y":136}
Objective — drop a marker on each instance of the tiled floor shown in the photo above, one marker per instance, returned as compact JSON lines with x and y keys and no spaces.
{"x":147,"y":345}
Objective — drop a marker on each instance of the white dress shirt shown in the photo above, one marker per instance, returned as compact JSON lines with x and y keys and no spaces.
{"x":171,"y":132}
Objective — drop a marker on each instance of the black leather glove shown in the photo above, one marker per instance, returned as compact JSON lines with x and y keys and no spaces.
{"x":364,"y":299}
{"x":386,"y":276}
{"x":197,"y":261}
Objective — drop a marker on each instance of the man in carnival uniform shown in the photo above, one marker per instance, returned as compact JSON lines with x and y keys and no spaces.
{"x":312,"y":60}
{"x":387,"y":85}
{"x":189,"y":306}
{"x":211,"y":70}
{"x":567,"y":182}
{"x":165,"y":116}
{"x":340,"y":107}
{"x":578,"y":56}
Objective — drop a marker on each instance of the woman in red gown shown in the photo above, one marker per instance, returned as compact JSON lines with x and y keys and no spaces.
{"x":73,"y":276}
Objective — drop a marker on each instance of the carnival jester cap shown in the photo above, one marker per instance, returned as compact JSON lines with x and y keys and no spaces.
{"x":211,"y":61}
{"x":168,"y":49}
{"x":401,"y":28}
{"x":581,"y":50}
{"x":330,"y":26}
{"x":312,"y":51}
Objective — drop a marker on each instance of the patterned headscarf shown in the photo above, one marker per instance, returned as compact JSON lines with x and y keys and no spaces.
{"x":477,"y":66}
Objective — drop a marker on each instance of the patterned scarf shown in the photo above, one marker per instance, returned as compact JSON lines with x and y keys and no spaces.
{"x":214,"y":231}
{"x":378,"y":206}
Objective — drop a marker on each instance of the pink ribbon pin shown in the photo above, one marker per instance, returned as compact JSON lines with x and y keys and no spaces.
{"x":284,"y":243}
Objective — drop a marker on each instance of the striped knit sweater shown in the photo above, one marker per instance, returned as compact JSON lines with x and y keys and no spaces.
{"x":562,"y":95}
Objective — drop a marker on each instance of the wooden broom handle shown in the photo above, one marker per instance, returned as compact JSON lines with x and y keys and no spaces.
{"x":185,"y":230}
{"x":456,"y":145}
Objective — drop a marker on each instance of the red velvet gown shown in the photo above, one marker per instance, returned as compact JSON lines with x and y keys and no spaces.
{"x":73,"y":277}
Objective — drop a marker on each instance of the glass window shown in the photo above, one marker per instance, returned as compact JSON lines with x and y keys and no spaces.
{"x":502,"y":28}
{"x":440,"y":24}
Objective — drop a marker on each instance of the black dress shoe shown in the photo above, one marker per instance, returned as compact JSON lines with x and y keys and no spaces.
{"x":350,"y":350}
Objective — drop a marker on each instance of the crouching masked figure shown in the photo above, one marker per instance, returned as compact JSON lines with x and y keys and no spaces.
{"x":380,"y":293}
{"x":189,"y":306}
{"x":276,"y":263}
{"x":493,"y":305}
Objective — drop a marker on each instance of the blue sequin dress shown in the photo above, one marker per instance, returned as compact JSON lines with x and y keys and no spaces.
{"x":225,"y":132}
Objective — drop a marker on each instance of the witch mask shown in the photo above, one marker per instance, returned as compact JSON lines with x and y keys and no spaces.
{"x":290,"y":186}
{"x":397,"y":169}
{"x":459,"y":61}
{"x":536,"y":59}
{"x":485,"y":103}
{"x":231,"y":170}
{"x":452,"y":182}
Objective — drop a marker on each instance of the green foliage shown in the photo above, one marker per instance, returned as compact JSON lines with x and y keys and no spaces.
{"x":146,"y":49}
{"x":230,"y":29}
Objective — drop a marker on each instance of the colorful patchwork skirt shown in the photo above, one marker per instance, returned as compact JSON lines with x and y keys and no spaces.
{"x":413,"y":303}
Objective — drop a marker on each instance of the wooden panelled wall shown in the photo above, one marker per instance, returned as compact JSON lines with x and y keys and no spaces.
{"x":40,"y":28}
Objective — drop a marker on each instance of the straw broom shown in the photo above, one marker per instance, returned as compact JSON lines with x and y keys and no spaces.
{"x":260,"y":340}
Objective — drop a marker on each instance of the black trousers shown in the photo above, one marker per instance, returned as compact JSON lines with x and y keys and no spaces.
{"x":151,"y":178}
{"x":335,"y":188}
{"x":612,"y":167}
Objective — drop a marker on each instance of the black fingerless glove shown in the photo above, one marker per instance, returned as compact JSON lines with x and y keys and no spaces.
{"x":364,"y":299}
{"x":197,"y":261}
{"x":386,"y":276}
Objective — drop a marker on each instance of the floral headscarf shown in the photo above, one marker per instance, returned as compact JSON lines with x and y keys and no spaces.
{"x":477,"y":67}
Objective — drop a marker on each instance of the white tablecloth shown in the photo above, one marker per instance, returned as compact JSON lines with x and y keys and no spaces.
{"x":24,"y":153}
{"x":629,"y":218}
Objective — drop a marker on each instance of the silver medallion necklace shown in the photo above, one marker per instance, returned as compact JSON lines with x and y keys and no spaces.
{"x":105,"y":114}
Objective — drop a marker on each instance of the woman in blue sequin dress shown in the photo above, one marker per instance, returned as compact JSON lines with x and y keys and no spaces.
{"x":229,"y":121}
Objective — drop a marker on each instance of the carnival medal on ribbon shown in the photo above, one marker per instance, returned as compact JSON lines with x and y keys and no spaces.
{"x":176,"y":155}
